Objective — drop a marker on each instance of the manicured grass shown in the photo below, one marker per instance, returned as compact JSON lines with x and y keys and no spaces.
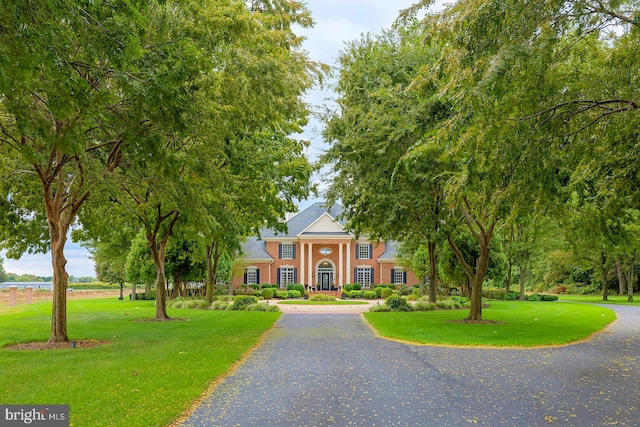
{"x":307,"y":302}
{"x":525,"y":324}
{"x":147,"y":375}
{"x":597,"y":299}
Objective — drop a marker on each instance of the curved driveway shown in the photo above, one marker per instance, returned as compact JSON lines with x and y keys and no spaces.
{"x":330,"y":370}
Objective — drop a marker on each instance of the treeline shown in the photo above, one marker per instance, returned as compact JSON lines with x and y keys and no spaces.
{"x":500,"y":136}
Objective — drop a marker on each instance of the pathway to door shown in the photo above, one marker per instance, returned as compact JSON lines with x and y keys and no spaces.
{"x":330,"y":370}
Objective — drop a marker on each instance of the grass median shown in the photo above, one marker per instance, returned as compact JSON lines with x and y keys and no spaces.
{"x":147,"y":374}
{"x":508,"y":324}
{"x":597,"y":299}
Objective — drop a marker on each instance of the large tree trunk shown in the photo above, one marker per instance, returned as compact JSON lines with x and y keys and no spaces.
{"x":603,"y":276}
{"x":507,"y":283}
{"x":158,"y":252}
{"x":622,"y":280}
{"x":482,"y":263}
{"x":482,"y":230}
{"x":60,"y":283}
{"x":523,"y":282}
{"x":630,"y":277}
{"x":213,"y":260}
{"x":433,"y":271}
{"x":62,"y":199}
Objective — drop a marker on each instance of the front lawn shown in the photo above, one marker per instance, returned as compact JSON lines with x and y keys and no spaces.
{"x":148,"y":374}
{"x":517,"y":324}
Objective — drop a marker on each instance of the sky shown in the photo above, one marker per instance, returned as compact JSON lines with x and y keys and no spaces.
{"x":336,"y":22}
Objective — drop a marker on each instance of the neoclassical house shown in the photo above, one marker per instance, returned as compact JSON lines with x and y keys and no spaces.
{"x":319,"y":253}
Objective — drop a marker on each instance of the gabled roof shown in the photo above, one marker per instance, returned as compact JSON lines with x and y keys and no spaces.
{"x":391,"y":253}
{"x":254,"y":250}
{"x":304,"y":220}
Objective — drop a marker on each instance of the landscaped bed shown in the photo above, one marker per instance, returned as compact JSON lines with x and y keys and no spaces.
{"x":336,"y":302}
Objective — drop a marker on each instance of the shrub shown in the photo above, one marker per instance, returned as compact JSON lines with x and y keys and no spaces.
{"x":404,"y":290}
{"x":294,"y":293}
{"x":262,"y":306}
{"x":290,"y":286}
{"x":378,"y":291}
{"x":386,"y":293}
{"x":379,"y":308}
{"x":534,"y":297}
{"x":354,"y":294}
{"x":547,"y":297}
{"x":460,"y":300}
{"x":424,"y":306}
{"x":493,"y":293}
{"x":321,"y":297}
{"x":413,"y":297}
{"x":267,"y":293}
{"x":369,"y":295}
{"x":397,"y":303}
{"x":241,"y":301}
{"x":221,"y":305}
{"x":348,"y":288}
{"x":298,"y":287}
{"x":282,"y":294}
{"x":357,"y":287}
{"x":444,"y":305}
{"x":560,"y":289}
{"x":512,"y":296}
{"x":197,"y":304}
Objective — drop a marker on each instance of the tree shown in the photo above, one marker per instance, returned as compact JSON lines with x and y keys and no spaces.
{"x":380,"y":117}
{"x":66,"y":116}
{"x":139,"y":267}
{"x":230,"y":145}
{"x":3,"y":276}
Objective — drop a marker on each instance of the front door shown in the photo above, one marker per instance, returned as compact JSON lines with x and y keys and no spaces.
{"x":325,"y":281}
{"x":325,"y":276}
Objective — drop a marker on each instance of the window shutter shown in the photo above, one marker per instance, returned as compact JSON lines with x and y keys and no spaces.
{"x":278,"y":274}
{"x":295,"y":275}
{"x":245,"y":276}
{"x":404,"y":277}
{"x":393,"y":275}
{"x":280,"y":252}
{"x":357,"y":251}
{"x":258,"y":276}
{"x":293,"y":251}
{"x":355,"y":275}
{"x":372,"y":278}
{"x":370,"y":251}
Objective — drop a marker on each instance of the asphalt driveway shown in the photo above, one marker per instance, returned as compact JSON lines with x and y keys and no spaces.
{"x":330,"y":370}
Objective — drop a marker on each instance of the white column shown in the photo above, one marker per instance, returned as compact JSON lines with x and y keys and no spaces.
{"x":302,"y":262}
{"x":340,"y":265}
{"x":311,"y":283}
{"x":348,"y":263}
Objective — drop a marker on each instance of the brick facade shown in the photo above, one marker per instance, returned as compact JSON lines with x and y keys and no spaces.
{"x":319,"y":254}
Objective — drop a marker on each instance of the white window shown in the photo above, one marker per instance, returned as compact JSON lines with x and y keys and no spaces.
{"x":398,"y":276}
{"x":287,"y":276}
{"x":363,"y":251}
{"x":252,"y":276}
{"x":286,"y":251}
{"x":363,"y":276}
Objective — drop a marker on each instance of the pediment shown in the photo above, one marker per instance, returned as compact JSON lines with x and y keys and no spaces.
{"x":324,"y":224}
